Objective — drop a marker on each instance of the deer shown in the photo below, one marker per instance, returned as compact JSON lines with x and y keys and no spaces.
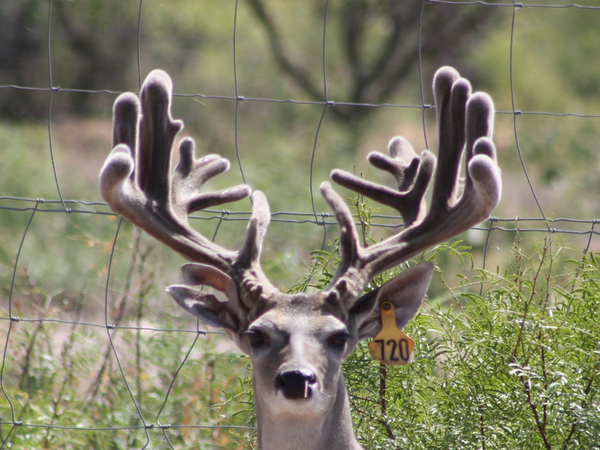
{"x":297,"y":342}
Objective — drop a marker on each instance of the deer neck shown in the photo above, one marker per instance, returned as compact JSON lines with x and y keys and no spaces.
{"x":331,"y":430}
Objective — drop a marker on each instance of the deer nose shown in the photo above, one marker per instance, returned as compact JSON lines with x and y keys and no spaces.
{"x":296,"y":384}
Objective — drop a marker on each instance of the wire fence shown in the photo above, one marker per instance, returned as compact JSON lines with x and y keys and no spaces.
{"x":112,"y":279}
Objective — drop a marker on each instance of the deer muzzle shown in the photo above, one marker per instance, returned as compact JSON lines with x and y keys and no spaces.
{"x":296,"y":384}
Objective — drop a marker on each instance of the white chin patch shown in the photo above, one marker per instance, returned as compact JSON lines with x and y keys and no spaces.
{"x":279,"y":404}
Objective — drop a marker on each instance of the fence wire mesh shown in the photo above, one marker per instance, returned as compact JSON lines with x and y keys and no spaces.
{"x":72,"y":268}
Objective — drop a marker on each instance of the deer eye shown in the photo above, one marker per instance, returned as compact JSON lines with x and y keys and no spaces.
{"x":257,"y":338}
{"x":338,"y":341}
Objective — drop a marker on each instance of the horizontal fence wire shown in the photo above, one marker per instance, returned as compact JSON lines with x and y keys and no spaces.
{"x":36,"y":210}
{"x":511,"y":225}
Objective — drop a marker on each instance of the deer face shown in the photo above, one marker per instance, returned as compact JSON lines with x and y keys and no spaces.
{"x":297,"y":349}
{"x":298,"y":342}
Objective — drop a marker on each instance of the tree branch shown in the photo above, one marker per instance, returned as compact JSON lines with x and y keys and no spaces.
{"x":374,"y":80}
{"x":300,"y":76}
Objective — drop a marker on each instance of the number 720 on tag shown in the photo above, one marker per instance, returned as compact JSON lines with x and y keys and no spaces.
{"x":391,"y":346}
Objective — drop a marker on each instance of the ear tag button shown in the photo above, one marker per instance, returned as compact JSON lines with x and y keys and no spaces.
{"x":391,"y":346}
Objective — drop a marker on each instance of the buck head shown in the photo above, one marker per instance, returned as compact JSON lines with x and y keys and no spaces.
{"x":297,"y":342}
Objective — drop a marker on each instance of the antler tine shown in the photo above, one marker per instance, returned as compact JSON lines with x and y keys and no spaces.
{"x":253,"y":279}
{"x":190,"y":174}
{"x":157,"y":134}
{"x":464,"y":121}
{"x":257,"y":228}
{"x":136,"y":179}
{"x":348,"y":238}
{"x":412,"y":173}
{"x":451,"y":94}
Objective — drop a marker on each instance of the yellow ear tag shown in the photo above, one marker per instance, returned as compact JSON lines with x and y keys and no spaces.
{"x":391,"y":346}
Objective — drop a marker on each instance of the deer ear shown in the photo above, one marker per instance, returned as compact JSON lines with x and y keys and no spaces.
{"x":199,"y":274}
{"x":206,"y":307}
{"x":405,"y":291}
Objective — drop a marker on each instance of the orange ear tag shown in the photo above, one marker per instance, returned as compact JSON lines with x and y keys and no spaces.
{"x":391,"y":346}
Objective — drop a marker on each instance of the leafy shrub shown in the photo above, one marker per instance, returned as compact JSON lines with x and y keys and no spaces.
{"x":513,"y":367}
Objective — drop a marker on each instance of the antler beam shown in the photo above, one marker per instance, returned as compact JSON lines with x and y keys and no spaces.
{"x":138,"y":183}
{"x":465,"y":123}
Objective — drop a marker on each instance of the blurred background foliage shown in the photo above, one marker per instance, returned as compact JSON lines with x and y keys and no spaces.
{"x":372,"y":57}
{"x":372,"y":51}
{"x":530,"y":59}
